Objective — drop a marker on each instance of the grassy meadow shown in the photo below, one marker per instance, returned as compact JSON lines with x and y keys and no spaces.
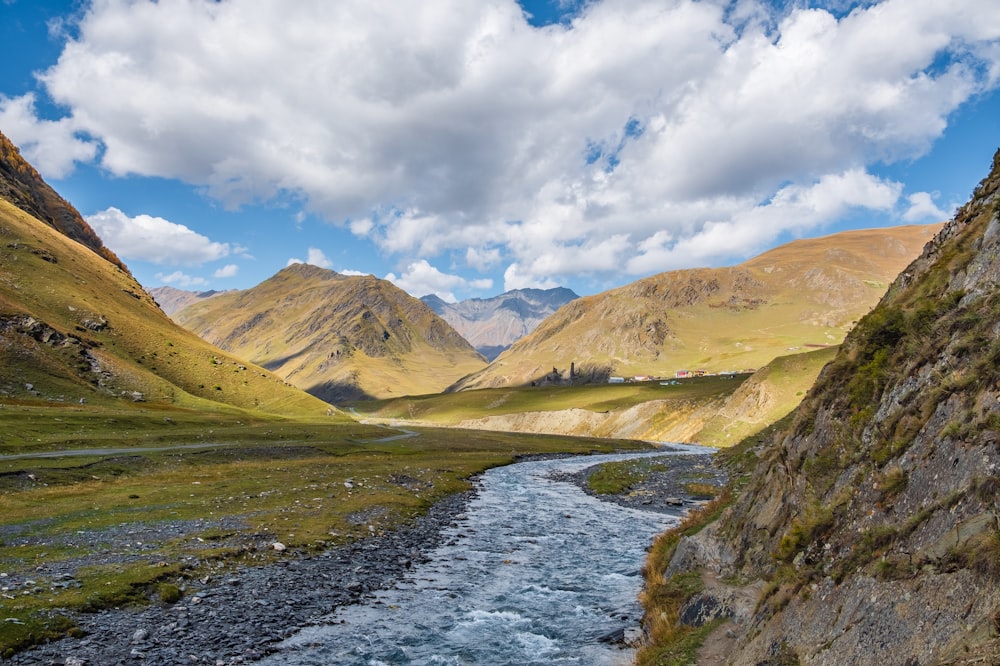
{"x":453,"y":408}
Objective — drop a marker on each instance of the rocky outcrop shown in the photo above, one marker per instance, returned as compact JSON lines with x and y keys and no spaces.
{"x":872,"y":518}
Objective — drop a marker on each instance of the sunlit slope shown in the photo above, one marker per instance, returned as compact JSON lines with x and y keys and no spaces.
{"x":75,"y":326}
{"x":338,"y":337}
{"x":714,"y":411}
{"x":802,"y":295}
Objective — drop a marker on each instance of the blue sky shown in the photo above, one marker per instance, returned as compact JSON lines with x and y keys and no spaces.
{"x":467,"y":147}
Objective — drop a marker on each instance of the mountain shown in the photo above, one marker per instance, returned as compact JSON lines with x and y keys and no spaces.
{"x":868,"y":530}
{"x":338,"y":337}
{"x":491,"y":325}
{"x":171,"y":299}
{"x":802,"y":295}
{"x":75,"y":326}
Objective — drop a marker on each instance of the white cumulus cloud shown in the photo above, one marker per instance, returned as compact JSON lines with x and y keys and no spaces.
{"x":420,"y":279}
{"x":51,"y":146}
{"x":227,"y":271}
{"x":155,"y":239}
{"x":433,"y":127}
{"x":181,"y":279}
{"x":923,"y":209}
{"x":314,"y":257}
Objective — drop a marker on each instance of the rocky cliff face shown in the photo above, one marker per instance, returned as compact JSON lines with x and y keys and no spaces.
{"x":870,"y":524}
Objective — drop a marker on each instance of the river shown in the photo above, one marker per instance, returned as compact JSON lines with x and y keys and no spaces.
{"x":535,"y":572}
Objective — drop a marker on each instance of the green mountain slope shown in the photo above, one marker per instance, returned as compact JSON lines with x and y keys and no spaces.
{"x":868,"y":531}
{"x":802,"y":295}
{"x":76,"y":326}
{"x":338,"y":337}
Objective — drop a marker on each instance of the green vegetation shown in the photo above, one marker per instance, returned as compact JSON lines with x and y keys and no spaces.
{"x":307,"y":483}
{"x":453,"y":408}
{"x":768,"y":396}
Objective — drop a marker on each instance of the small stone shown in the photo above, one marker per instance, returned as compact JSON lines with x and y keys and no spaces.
{"x":139,"y":636}
{"x":279,"y":547}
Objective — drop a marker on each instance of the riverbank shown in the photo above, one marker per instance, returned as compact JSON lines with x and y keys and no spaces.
{"x":237,"y":616}
{"x":240,"y":615}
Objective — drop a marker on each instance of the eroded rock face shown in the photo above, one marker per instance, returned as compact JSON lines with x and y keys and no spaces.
{"x":873,"y":518}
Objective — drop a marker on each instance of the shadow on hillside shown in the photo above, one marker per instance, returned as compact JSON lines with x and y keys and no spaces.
{"x":276,"y":363}
{"x":338,"y":392}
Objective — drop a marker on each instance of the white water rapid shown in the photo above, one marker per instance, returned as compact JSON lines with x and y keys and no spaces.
{"x":533,"y":573}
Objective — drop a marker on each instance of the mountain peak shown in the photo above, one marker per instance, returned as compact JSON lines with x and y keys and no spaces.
{"x":339,"y":337}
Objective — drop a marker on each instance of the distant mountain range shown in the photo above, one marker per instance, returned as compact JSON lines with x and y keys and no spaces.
{"x":75,"y":326}
{"x":802,"y":295}
{"x":171,"y":299}
{"x":338,"y":337}
{"x":491,"y":325}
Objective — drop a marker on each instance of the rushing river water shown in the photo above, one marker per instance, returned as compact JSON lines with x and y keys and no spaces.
{"x":535,"y":572}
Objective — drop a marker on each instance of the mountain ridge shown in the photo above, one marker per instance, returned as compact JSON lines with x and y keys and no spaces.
{"x":23,"y":186}
{"x":492,"y":324}
{"x":76,"y":327}
{"x":807,"y":293}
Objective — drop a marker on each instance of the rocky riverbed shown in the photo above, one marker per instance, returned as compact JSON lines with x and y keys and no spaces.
{"x":239,"y":616}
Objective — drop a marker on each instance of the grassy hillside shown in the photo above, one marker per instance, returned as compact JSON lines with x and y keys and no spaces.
{"x":338,"y":337}
{"x":457,"y":408}
{"x":802,"y":295}
{"x":765,"y":398}
{"x":76,"y":327}
{"x":22,"y":186}
{"x":714,"y":411}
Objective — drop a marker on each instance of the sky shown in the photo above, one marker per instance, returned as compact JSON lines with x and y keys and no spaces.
{"x":470,"y":147}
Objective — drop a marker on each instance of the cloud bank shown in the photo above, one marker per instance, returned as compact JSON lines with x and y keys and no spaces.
{"x":641,"y":136}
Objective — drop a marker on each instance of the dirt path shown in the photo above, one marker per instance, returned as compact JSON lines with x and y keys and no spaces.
{"x":112,"y":452}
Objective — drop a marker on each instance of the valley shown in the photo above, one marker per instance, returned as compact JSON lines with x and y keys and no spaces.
{"x":330,"y":427}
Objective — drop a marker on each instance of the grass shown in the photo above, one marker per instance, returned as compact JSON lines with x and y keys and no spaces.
{"x":267,"y":480}
{"x":453,"y":408}
{"x":75,"y":327}
{"x":771,"y":394}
